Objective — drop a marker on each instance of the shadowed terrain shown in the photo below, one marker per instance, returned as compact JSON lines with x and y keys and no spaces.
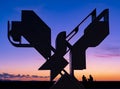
{"x":47,"y":85}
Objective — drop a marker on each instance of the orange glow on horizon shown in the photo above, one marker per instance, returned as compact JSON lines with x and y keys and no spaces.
{"x":102,"y":69}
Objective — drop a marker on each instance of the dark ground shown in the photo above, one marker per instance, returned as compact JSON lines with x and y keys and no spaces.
{"x":47,"y":85}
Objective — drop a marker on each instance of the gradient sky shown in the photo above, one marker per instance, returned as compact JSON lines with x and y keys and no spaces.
{"x":103,"y":61}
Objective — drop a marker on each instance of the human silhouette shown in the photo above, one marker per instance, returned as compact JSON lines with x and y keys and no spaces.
{"x":84,"y":79}
{"x":90,"y":78}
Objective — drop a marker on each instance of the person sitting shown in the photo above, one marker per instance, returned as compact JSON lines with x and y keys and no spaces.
{"x":90,"y":78}
{"x":84,"y":79}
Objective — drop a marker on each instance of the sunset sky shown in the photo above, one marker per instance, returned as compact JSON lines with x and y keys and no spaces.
{"x":103,"y":61}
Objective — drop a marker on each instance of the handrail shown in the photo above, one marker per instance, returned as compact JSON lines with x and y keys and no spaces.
{"x":15,"y":44}
{"x":75,"y":30}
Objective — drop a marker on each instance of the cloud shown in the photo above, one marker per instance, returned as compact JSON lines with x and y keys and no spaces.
{"x":109,"y":51}
{"x":7,"y":76}
{"x":107,"y":55}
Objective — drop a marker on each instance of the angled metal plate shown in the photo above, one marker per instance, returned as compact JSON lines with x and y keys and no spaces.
{"x":37,"y":33}
{"x":56,"y":64}
{"x":34,"y":30}
{"x":94,"y":34}
{"x":61,"y":45}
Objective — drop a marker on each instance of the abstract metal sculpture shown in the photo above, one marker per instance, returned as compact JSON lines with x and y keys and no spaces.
{"x":38,"y":34}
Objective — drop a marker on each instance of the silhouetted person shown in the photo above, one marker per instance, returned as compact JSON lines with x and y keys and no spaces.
{"x":90,"y":82}
{"x":90,"y":78}
{"x":84,"y":80}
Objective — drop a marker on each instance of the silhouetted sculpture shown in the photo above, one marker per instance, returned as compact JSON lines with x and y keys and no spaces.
{"x":38,"y":34}
{"x":56,"y":63}
{"x":34,"y":30}
{"x":93,"y":35}
{"x":67,"y":82}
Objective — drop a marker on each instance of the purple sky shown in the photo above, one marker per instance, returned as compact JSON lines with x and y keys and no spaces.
{"x":103,"y":62}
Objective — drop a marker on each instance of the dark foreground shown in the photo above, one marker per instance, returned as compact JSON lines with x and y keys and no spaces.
{"x":47,"y":85}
